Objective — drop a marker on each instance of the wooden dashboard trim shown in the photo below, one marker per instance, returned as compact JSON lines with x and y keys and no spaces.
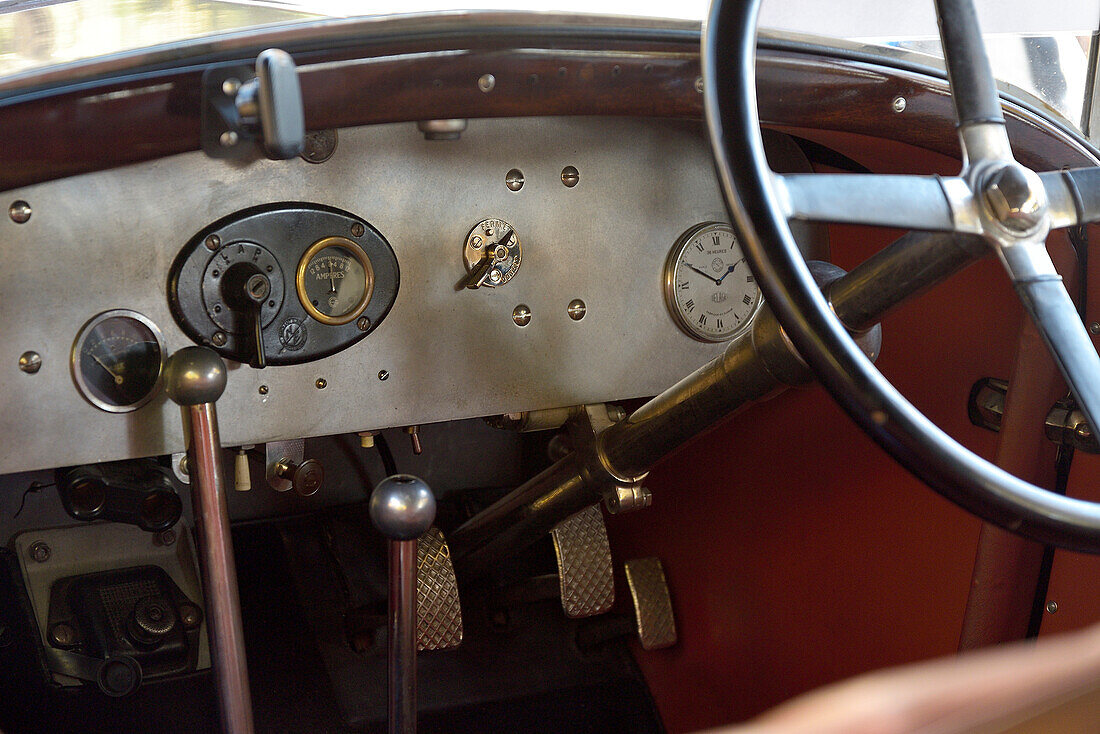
{"x":49,"y":135}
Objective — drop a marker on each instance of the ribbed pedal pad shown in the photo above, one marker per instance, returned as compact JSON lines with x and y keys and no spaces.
{"x":652,"y":603}
{"x":584,"y":564}
{"x":438,"y":610}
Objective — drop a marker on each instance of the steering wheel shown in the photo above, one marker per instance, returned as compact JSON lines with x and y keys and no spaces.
{"x":995,"y":198}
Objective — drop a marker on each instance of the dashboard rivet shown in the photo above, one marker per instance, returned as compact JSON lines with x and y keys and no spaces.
{"x":577,"y":309}
{"x":570,"y":176}
{"x":39,"y":552}
{"x":357,"y":229}
{"x":231,"y":86}
{"x":898,"y":104}
{"x":263,"y":389}
{"x":20,"y":212}
{"x":521,"y":314}
{"x":383,"y":375}
{"x":228,"y":139}
{"x":30,"y":362}
{"x":363,"y":323}
{"x":699,"y":84}
{"x":321,"y":383}
{"x":218,"y":340}
{"x":166,"y":537}
{"x":486,"y":83}
{"x":514,"y":179}
{"x":213,"y":242}
{"x":1052,"y":607}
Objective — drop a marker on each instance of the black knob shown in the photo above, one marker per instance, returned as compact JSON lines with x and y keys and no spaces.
{"x":306,"y":477}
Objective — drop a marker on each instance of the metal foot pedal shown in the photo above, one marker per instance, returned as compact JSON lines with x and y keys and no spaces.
{"x":584,"y":564}
{"x":439,"y":612}
{"x":653,"y":616}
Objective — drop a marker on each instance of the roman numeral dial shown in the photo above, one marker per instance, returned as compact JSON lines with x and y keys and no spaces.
{"x":709,"y":290}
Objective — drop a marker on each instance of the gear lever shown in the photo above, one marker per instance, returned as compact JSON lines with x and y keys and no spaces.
{"x":194,"y":378}
{"x":402,"y":507}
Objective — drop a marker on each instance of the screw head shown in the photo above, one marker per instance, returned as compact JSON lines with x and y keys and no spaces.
{"x":321,"y":383}
{"x":228,"y":139}
{"x":898,"y":105}
{"x":62,"y":635}
{"x":166,"y":537}
{"x":30,"y":362}
{"x":263,"y":390}
{"x":1094,"y":328}
{"x":570,"y":176}
{"x":699,"y":84}
{"x":20,"y":212}
{"x":218,"y":339}
{"x":363,"y":323}
{"x":486,"y":82}
{"x":1015,"y":197}
{"x":213,"y":242}
{"x":521,"y":315}
{"x":190,"y":615}
{"x":319,"y":146}
{"x":383,"y":375}
{"x":1052,"y":607}
{"x":39,"y":552}
{"x":357,"y":229}
{"x":514,"y":179}
{"x":231,"y":86}
{"x":577,"y":309}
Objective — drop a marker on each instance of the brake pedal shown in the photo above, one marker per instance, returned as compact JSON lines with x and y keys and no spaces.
{"x":585,"y":573}
{"x":439,"y":611}
{"x":653,"y":618}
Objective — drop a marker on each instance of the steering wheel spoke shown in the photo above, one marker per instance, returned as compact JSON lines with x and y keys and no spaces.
{"x":928,"y":203}
{"x":1074,"y":196}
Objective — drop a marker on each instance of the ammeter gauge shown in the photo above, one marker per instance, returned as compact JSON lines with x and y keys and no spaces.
{"x":709,"y":289}
{"x":117,"y":359}
{"x":335,"y":280}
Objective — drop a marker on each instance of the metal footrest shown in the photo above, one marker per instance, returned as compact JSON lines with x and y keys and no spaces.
{"x":584,"y":564}
{"x":652,"y":603}
{"x":438,"y":610}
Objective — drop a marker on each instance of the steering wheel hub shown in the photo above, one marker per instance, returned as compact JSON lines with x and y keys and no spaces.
{"x":1015,"y":198}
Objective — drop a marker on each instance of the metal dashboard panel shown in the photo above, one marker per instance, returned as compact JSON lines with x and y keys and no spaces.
{"x":106,"y":240}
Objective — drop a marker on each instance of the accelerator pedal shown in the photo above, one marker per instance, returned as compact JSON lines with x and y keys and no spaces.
{"x":585,"y":572}
{"x":438,"y":610}
{"x":653,"y":616}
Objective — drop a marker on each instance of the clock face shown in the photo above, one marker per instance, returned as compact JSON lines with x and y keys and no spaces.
{"x":709,"y":288}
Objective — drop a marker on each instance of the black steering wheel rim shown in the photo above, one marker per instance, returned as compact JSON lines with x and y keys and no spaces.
{"x":729,"y":50}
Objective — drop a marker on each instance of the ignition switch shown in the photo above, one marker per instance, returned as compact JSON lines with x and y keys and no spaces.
{"x":492,"y":254}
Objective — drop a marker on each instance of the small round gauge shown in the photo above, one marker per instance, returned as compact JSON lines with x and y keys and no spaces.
{"x":117,"y":359}
{"x":335,"y":280}
{"x":709,"y":288}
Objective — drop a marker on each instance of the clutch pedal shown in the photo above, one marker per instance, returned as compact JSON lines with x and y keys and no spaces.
{"x":439,"y":612}
{"x":585,"y":572}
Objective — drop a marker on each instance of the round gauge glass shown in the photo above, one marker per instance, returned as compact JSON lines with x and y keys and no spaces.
{"x":117,"y":359}
{"x":709,"y":288}
{"x":335,"y":280}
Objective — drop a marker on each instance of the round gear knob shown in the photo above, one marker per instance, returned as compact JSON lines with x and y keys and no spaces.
{"x":194,"y":375}
{"x":402,"y":507}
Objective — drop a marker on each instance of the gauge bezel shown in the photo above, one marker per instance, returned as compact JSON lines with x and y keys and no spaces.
{"x":78,"y":346}
{"x":368,"y":274}
{"x":670,"y":282}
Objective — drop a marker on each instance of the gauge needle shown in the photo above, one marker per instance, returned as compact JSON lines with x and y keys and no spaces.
{"x":705,"y":275}
{"x":332,"y":279}
{"x":118,"y":377}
